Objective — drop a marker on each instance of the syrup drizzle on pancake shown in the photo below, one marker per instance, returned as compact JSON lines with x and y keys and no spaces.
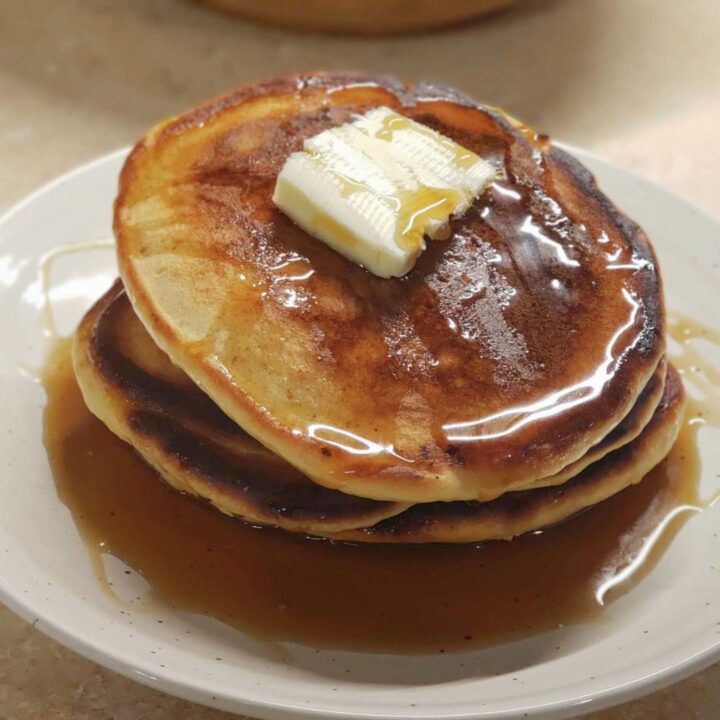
{"x":473,"y":294}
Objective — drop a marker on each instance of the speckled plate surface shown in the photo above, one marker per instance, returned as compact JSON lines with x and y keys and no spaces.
{"x":665,"y":628}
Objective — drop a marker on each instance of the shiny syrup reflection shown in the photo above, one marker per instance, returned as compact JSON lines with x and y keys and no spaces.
{"x":280,"y":586}
{"x":549,"y":228}
{"x":518,"y":254}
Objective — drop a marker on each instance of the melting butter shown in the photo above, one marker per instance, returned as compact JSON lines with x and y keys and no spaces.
{"x":374,"y":188}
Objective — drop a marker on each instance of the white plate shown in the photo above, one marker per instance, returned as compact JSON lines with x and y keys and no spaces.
{"x":667,"y":627}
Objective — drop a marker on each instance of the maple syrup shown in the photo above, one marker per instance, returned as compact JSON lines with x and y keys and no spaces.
{"x":403,"y":599}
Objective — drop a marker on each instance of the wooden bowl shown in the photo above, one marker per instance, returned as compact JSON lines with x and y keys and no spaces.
{"x":362,"y":17}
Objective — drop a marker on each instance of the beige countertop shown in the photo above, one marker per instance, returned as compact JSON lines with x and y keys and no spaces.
{"x":636,"y":81}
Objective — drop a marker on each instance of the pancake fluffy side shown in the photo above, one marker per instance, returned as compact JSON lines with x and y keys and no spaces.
{"x":519,"y":512}
{"x":508,"y":352}
{"x":131,"y":385}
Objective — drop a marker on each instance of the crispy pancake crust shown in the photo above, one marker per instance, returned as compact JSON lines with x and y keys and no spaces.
{"x":519,"y":512}
{"x":501,"y":358}
{"x":133,"y":388}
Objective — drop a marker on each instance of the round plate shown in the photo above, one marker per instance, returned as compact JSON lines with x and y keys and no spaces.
{"x":667,"y":627}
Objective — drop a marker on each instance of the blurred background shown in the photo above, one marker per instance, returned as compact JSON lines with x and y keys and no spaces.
{"x":635,"y":81}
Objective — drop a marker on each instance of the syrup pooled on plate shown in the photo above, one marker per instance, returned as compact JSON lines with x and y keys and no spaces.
{"x":401,"y":599}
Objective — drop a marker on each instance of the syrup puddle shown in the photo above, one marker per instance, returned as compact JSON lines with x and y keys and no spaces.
{"x":280,"y":586}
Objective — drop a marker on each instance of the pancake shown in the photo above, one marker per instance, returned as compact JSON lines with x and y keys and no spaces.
{"x":624,"y":432}
{"x":518,"y":512}
{"x":133,"y":388}
{"x":508,"y":352}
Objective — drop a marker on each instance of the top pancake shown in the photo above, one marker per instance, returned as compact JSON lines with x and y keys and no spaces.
{"x":502,"y":357}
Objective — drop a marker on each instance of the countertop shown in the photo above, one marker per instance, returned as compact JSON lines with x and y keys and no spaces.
{"x":635,"y":81}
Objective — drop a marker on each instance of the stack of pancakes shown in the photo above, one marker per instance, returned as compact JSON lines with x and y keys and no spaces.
{"x":514,"y":377}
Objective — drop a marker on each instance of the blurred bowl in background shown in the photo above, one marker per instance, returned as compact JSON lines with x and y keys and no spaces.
{"x":363,"y":17}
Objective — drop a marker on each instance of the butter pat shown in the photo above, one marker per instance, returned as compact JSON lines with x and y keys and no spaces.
{"x":373,"y":189}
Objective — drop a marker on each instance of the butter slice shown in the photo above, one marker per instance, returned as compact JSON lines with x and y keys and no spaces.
{"x":374,"y":188}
